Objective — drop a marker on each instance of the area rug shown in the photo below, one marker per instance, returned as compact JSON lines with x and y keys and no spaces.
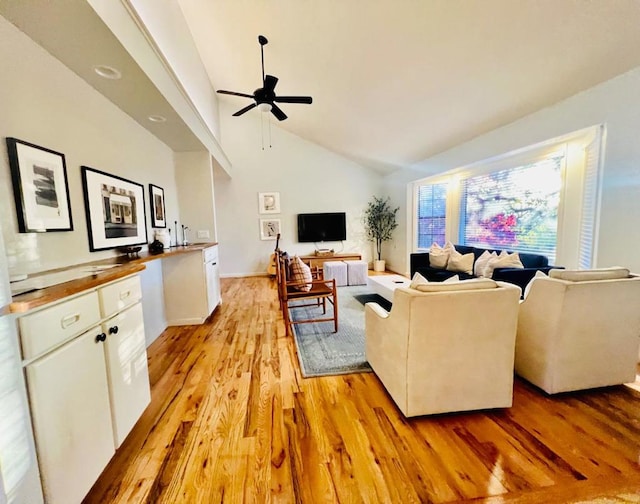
{"x":322,"y":352}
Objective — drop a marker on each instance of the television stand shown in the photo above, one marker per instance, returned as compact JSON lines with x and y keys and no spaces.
{"x":317,"y":261}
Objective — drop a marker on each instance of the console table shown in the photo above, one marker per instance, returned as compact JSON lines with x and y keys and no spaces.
{"x":316,"y":261}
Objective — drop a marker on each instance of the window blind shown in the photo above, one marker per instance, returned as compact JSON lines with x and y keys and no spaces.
{"x":514,"y":209}
{"x":589,"y":205}
{"x":432,"y":206}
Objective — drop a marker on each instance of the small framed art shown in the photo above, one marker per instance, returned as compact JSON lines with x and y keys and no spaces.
{"x":269,"y":229}
{"x":269,"y":202}
{"x":114,"y":208}
{"x":158,"y":213}
{"x":40,"y":187}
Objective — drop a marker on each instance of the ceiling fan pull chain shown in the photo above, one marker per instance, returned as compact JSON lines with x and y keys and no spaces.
{"x":269,"y":131}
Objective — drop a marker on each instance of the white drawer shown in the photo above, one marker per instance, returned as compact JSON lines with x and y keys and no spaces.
{"x":46,"y":328}
{"x":119,"y":295}
{"x":211,"y":254}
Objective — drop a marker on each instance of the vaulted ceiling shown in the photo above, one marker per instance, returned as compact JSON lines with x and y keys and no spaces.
{"x":396,"y":81}
{"x":393,"y":81}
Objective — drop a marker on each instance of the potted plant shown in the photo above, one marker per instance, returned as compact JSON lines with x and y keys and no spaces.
{"x":379,"y":223}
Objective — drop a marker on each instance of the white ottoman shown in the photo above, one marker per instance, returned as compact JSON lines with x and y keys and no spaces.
{"x":335,"y":270}
{"x":356,"y":272}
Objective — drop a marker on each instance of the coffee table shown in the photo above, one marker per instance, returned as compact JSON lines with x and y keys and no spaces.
{"x":384,"y":285}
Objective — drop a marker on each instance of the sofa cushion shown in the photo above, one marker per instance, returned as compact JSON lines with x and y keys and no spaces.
{"x":589,"y":275}
{"x":460,"y":262}
{"x":300,"y":275}
{"x":473,"y":284}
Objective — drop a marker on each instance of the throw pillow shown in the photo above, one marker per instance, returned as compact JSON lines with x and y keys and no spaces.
{"x":539,"y":274}
{"x":473,"y":284}
{"x":481,"y":263}
{"x":452,"y":279}
{"x":438,"y":256}
{"x":417,"y":279}
{"x":460,"y":262}
{"x":504,"y":260}
{"x":588,"y":275}
{"x":300,"y":275}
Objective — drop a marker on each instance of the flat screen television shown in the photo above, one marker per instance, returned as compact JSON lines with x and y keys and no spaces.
{"x":319,"y":227}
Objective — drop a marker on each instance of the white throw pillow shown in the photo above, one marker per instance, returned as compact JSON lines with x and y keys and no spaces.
{"x":588,"y":275}
{"x":460,"y":262}
{"x":539,"y":274}
{"x":452,"y":279}
{"x":439,"y":256}
{"x":473,"y":284}
{"x":417,"y":279}
{"x":504,"y":260}
{"x":481,"y":263}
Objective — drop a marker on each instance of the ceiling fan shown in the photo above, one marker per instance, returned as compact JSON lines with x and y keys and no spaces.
{"x":265,"y":97}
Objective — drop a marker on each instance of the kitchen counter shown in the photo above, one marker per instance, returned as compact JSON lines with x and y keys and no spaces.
{"x":91,"y":274}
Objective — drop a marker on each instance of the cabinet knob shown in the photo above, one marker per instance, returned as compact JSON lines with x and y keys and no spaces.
{"x":101,"y":337}
{"x":113,"y":330}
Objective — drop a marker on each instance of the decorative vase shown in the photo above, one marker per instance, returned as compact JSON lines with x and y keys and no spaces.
{"x":378,"y":265}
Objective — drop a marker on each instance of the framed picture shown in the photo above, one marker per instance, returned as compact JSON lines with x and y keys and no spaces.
{"x":40,"y":187}
{"x":156,"y":198}
{"x":269,"y":229}
{"x":269,"y":202}
{"x":115,"y":210}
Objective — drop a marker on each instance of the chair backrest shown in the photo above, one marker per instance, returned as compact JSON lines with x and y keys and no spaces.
{"x":457,"y":341}
{"x":579,"y":334}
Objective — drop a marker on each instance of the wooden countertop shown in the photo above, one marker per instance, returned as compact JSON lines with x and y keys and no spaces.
{"x":125,"y":265}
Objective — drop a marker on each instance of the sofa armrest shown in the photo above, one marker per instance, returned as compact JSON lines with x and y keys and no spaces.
{"x":518,"y":276}
{"x":418,"y":260}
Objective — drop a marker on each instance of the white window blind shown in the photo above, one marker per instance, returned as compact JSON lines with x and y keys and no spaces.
{"x":589,"y":205}
{"x":432,"y":206}
{"x":514,"y":209}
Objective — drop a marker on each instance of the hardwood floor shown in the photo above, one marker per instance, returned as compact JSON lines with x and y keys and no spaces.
{"x":232,"y":420}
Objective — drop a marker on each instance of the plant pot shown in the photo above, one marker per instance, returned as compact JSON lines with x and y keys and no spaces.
{"x":378,"y":265}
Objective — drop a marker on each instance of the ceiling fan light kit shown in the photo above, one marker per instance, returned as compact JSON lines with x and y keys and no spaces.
{"x":265,"y":98}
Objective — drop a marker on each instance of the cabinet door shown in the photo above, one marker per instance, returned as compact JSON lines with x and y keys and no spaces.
{"x":70,"y":411}
{"x":126,"y":358}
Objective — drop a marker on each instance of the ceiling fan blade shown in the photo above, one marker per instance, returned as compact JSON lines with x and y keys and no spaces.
{"x":222,"y":91}
{"x":277,"y":111}
{"x":293,"y":99}
{"x":246,"y":109}
{"x":270,"y":83}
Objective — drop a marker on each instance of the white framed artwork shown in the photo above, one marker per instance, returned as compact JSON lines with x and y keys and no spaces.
{"x":269,"y":202}
{"x":269,"y":229}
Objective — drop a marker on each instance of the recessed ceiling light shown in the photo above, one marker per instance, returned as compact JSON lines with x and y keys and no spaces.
{"x":157,"y":118}
{"x":107,"y":72}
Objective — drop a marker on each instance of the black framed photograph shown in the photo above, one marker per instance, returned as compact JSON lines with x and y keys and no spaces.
{"x":40,"y":187}
{"x":114,"y":207}
{"x":158,"y":213}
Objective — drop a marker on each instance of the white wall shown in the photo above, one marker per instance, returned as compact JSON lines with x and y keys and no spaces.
{"x":44,"y":103}
{"x":309,"y":179}
{"x":614,"y":103}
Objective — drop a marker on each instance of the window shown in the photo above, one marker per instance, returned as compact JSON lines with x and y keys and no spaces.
{"x":432,"y":206}
{"x":514,"y":208}
{"x":543,"y":198}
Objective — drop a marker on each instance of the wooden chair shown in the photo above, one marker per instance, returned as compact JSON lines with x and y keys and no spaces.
{"x":321,"y":292}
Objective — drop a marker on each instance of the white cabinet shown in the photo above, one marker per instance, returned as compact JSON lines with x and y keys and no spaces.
{"x":191,"y":286}
{"x":86,"y":389}
{"x":126,"y":359}
{"x":71,"y":417}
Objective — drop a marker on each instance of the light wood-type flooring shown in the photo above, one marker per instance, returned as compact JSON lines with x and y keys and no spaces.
{"x":232,"y":420}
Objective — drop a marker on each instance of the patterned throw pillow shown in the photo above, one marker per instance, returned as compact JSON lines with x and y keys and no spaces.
{"x":300,"y":275}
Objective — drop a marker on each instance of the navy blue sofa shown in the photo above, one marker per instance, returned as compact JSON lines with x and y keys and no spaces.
{"x":518,"y":276}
